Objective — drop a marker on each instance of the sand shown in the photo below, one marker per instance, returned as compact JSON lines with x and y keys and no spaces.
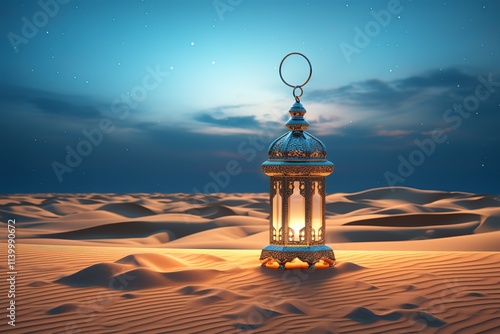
{"x":408,"y":261}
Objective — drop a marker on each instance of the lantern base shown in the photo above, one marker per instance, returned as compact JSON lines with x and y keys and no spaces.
{"x":282,"y":255}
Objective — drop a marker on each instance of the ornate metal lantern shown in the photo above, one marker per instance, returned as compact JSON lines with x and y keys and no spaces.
{"x":298,"y":167}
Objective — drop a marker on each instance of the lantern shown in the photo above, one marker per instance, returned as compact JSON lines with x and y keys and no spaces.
{"x":297,"y":167}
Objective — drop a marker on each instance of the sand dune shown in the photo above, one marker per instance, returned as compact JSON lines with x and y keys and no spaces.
{"x":408,"y":261}
{"x":130,"y":210}
{"x":133,"y":229}
{"x":137,"y":272}
{"x":151,"y":260}
{"x":364,"y":220}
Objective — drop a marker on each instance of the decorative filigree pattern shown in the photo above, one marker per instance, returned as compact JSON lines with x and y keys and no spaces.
{"x":317,"y":150}
{"x":276,"y":148}
{"x":311,"y":255}
{"x":297,"y":145}
{"x":299,"y":170}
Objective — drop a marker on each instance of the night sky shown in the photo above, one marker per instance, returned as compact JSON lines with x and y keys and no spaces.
{"x":185,"y":96}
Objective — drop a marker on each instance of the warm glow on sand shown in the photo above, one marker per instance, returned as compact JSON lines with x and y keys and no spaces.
{"x":297,"y":264}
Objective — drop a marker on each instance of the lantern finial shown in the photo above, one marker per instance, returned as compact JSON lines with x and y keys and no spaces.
{"x":297,"y":121}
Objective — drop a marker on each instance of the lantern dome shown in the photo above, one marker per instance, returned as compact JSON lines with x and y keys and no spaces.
{"x":297,"y":146}
{"x":297,"y":152}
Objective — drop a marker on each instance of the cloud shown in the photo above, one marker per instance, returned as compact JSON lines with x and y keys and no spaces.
{"x":392,"y":133}
{"x":376,"y":93}
{"x":34,"y":101}
{"x":229,"y":121}
{"x":232,"y":120}
{"x":402,"y":107}
{"x":449,"y":77}
{"x":411,"y":105}
{"x":62,"y":108}
{"x":365,"y":128}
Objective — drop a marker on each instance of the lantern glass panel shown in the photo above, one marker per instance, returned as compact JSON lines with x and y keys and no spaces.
{"x":277,"y":212}
{"x":296,"y":212}
{"x":317,"y":212}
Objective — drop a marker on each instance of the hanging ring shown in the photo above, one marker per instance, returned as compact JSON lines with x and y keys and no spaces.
{"x":296,"y":86}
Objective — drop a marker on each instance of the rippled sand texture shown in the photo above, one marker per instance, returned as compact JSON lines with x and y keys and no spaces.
{"x":408,"y":261}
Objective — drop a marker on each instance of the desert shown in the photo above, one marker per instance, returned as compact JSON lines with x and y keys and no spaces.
{"x":408,"y":260}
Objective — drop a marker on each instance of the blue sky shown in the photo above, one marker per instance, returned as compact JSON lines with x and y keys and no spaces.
{"x":183,"y":96}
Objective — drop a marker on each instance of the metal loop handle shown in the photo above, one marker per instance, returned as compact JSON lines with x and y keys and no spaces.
{"x":297,"y":97}
{"x":296,"y":86}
